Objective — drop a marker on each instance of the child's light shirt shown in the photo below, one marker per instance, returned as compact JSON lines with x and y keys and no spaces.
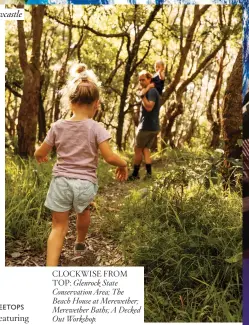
{"x":76,"y":145}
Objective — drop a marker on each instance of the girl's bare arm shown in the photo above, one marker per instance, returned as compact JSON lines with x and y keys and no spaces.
{"x":42,"y":152}
{"x":113,"y":159}
{"x":109,"y":156}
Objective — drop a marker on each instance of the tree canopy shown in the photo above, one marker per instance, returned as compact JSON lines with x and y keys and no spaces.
{"x":199,"y":45}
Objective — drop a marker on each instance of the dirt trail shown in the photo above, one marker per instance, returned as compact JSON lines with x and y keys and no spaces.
{"x":102,"y":251}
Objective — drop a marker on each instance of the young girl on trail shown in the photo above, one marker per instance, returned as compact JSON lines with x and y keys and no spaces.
{"x":74,"y":183}
{"x":158,"y":79}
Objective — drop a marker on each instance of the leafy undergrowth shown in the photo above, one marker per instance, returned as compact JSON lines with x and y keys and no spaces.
{"x":182,"y":226}
{"x":26,"y":187}
{"x":189,"y":242}
{"x":185,"y":229}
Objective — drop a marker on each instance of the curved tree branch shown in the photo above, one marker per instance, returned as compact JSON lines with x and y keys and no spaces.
{"x":86,"y":27}
{"x":13,"y":91}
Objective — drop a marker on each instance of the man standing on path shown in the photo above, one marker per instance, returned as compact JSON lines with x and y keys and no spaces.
{"x":148,"y":127}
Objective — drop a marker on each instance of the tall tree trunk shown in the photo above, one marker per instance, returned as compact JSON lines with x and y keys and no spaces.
{"x":28,"y":112}
{"x":215,"y":123}
{"x":54,"y":89}
{"x":232,"y":112}
{"x":175,"y":109}
{"x":61,"y":83}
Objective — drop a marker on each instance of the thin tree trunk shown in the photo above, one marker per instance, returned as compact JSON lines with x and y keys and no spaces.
{"x":41,"y":116}
{"x":215,"y":123}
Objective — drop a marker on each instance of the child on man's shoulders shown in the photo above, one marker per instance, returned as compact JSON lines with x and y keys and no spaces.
{"x":158,"y":79}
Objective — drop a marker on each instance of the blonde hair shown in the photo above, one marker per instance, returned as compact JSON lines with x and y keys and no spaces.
{"x":83,"y":88}
{"x":160,"y":62}
{"x":145,"y":73}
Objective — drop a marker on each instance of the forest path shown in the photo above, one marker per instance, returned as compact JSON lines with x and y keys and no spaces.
{"x":102,"y":249}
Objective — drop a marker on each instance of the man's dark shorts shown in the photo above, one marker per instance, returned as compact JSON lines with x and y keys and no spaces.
{"x":145,"y":139}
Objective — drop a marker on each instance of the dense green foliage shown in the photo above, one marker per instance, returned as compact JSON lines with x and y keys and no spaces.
{"x":26,"y":188}
{"x":190,"y":246}
{"x":184,"y":228}
{"x":186,"y":232}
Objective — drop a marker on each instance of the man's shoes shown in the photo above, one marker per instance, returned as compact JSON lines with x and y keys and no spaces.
{"x":133,"y":178}
{"x":147,"y":177}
